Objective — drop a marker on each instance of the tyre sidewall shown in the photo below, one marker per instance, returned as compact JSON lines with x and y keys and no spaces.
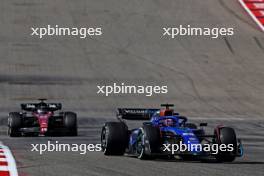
{"x":70,"y":123}
{"x":14,"y":124}
{"x":151,"y":141}
{"x":226,"y":135}
{"x":116,"y":138}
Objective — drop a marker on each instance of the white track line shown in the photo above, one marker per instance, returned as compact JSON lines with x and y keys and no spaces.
{"x":251,"y":14}
{"x":4,"y":168}
{"x":9,"y":159}
{"x":3,"y":159}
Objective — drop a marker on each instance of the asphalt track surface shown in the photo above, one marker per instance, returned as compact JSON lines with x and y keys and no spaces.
{"x":215,"y":80}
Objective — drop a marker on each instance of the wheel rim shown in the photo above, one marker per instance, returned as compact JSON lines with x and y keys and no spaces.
{"x":9,"y":131}
{"x":141,"y":152}
{"x":140,"y":146}
{"x":104,"y":137}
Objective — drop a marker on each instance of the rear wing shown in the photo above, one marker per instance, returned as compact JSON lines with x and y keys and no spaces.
{"x":54,"y":106}
{"x":28,"y":106}
{"x":135,"y":113}
{"x":35,"y":106}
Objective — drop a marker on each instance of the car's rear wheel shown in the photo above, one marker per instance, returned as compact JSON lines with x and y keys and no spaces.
{"x":70,"y":123}
{"x":149,"y":142}
{"x":114,"y":138}
{"x":227,"y":136}
{"x":14,"y":124}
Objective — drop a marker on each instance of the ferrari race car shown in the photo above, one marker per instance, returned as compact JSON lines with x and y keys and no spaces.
{"x":164,"y":134}
{"x":42,"y":119}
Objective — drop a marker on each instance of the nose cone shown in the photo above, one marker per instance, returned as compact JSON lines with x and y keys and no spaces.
{"x":43,"y":123}
{"x":191,"y":141}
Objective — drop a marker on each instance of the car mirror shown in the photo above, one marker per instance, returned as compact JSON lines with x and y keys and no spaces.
{"x":203,"y":124}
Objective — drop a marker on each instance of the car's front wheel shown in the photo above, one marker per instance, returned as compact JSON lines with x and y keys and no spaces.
{"x":14,"y":124}
{"x":227,"y":136}
{"x":114,"y":138}
{"x":70,"y":123}
{"x":149,"y":142}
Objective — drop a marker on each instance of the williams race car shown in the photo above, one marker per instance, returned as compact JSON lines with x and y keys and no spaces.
{"x":160,"y":136}
{"x":41,"y":119}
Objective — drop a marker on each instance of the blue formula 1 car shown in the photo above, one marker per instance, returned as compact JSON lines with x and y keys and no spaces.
{"x":167,"y":134}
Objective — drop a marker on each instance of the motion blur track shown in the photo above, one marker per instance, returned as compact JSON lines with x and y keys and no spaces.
{"x":220,"y":80}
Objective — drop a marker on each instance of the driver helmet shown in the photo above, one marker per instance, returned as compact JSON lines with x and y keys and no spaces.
{"x":169,"y":122}
{"x":43,"y":108}
{"x":41,"y":111}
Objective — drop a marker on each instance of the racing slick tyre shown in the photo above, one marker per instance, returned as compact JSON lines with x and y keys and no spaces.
{"x":149,"y":142}
{"x":70,"y":123}
{"x":227,"y":136}
{"x":190,"y":125}
{"x":114,"y":138}
{"x":14,"y":123}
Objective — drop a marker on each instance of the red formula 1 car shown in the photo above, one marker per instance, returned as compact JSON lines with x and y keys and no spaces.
{"x":42,"y":119}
